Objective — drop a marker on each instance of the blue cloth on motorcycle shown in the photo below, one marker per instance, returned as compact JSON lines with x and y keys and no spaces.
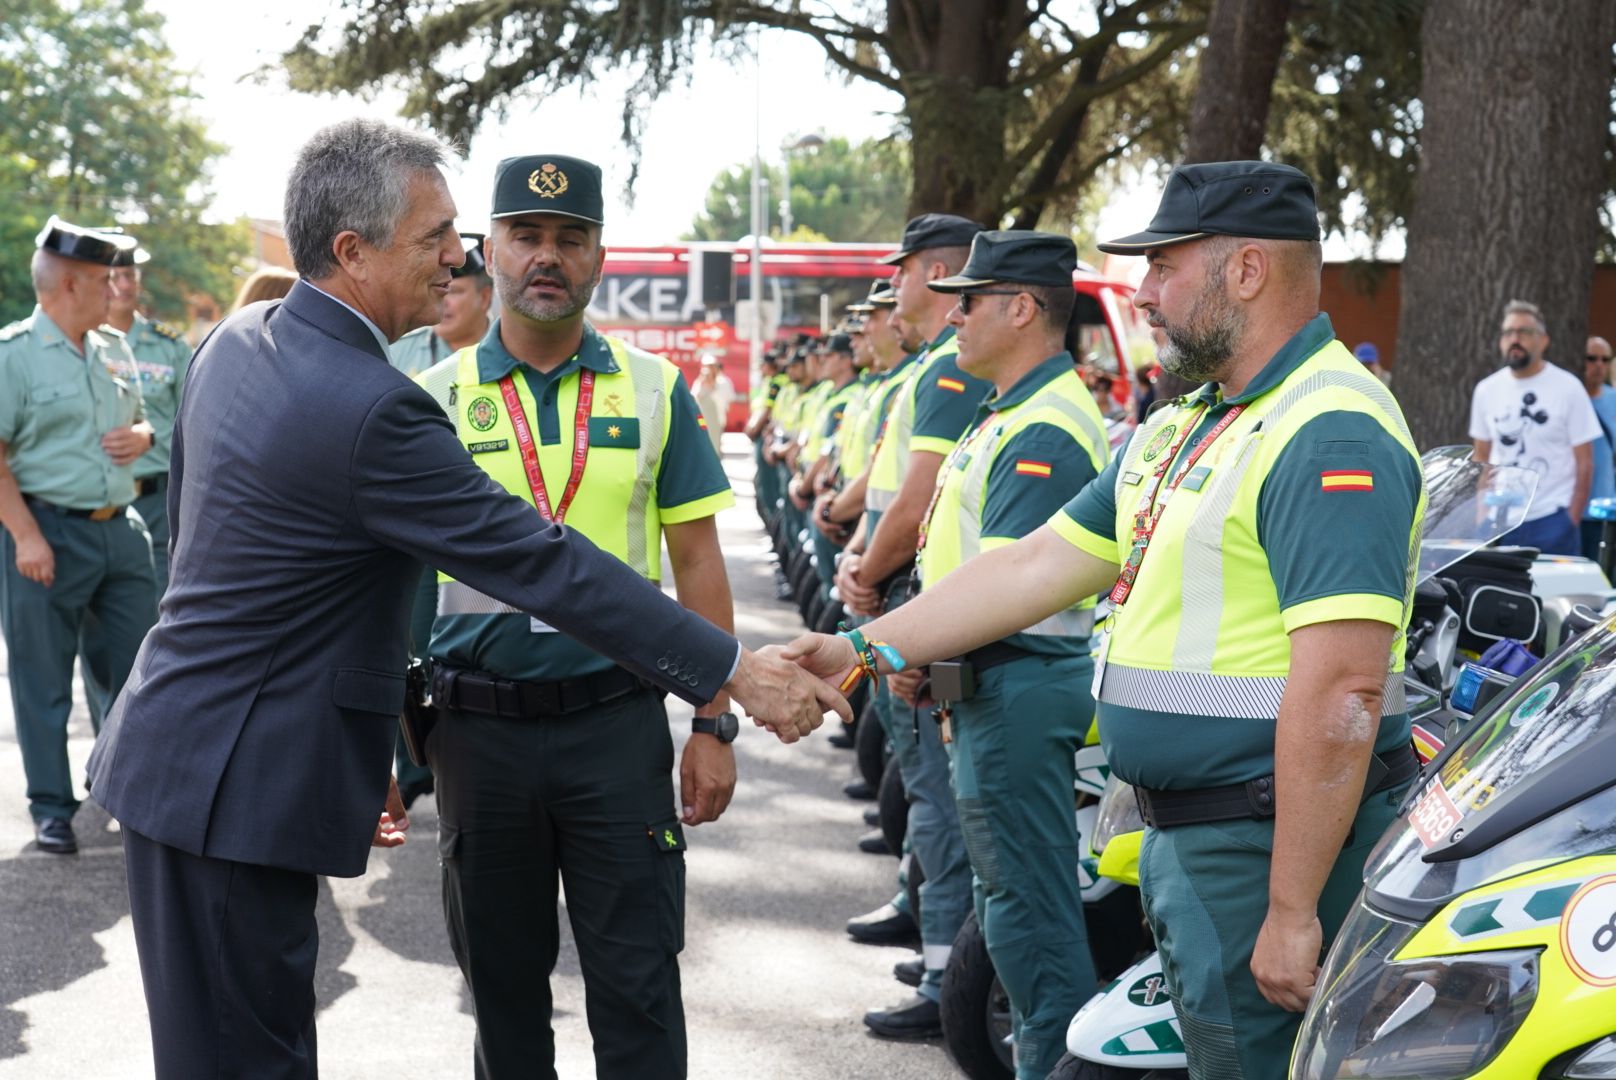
{"x":1510,"y":657}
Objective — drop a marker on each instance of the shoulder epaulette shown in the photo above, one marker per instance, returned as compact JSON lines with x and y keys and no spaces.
{"x":163,"y":329}
{"x":16,"y":329}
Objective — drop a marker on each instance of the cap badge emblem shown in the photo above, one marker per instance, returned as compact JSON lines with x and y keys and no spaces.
{"x":547,"y":181}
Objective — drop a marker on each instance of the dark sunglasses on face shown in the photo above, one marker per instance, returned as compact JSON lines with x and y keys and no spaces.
{"x":1592,"y":359}
{"x":966,"y":298}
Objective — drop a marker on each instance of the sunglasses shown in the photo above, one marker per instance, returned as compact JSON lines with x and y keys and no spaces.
{"x":967,"y":298}
{"x":1592,"y":359}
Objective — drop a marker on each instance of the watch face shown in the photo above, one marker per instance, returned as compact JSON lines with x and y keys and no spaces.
{"x":729,"y":726}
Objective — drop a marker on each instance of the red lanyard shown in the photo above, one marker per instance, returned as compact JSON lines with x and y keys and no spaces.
{"x":1149,"y":513}
{"x":530,"y":456}
{"x":942,"y":477}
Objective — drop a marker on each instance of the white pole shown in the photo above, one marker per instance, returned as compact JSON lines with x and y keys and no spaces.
{"x":757,"y":208}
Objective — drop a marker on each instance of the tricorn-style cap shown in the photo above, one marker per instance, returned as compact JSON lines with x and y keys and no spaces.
{"x":135,"y":256}
{"x":933,"y":231}
{"x":87,"y":245}
{"x":549,"y":184}
{"x":474,"y":264}
{"x":1016,"y":256}
{"x":1260,"y":199}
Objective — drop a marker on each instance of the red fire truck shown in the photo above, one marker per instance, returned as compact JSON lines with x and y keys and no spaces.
{"x":684,"y":301}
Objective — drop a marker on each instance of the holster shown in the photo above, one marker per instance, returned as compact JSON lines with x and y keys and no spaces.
{"x":415,"y":723}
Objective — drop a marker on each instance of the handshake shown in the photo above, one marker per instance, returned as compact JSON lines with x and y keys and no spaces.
{"x":788,"y":689}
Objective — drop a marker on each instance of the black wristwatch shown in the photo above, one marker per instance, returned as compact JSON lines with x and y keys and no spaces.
{"x":726,"y":725}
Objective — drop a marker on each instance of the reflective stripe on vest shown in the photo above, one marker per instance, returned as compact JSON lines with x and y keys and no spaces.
{"x":614,"y":507}
{"x":892,"y":459}
{"x":1202,"y":632}
{"x":954,"y":535}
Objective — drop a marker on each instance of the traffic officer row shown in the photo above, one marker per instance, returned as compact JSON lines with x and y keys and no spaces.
{"x":1255,"y":538}
{"x":552,"y":764}
{"x":74,"y":554}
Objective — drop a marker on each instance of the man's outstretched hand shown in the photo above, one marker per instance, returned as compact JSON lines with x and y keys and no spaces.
{"x":783,"y":697}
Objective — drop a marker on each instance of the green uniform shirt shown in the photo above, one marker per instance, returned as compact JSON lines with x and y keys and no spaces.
{"x":945,"y":400}
{"x":690,"y":484}
{"x":54,"y":407}
{"x":1323,"y":552}
{"x":162,"y":358}
{"x":418,"y":350}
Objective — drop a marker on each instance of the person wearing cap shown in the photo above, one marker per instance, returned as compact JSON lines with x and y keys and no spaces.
{"x":1256,"y":538}
{"x":581,"y":790}
{"x":1025,"y":708}
{"x":72,"y":429}
{"x":929,"y":412}
{"x":465,"y":315}
{"x":250,"y":750}
{"x":766,"y":387}
{"x":714,"y":391}
{"x":819,"y":456}
{"x":1369,"y":356}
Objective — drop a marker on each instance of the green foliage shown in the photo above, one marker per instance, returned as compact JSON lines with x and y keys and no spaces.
{"x":96,"y":129}
{"x":841,"y":191}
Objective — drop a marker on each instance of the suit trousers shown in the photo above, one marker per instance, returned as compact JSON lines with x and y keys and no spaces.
{"x":227,"y":953}
{"x":586,"y":799}
{"x":103,"y":572}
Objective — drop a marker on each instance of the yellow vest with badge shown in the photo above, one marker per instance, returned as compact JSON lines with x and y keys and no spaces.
{"x":628,"y":426}
{"x":892,"y":455}
{"x":1201,"y":631}
{"x":954,"y":528}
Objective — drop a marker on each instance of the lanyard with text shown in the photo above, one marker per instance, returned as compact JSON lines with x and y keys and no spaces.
{"x":530,"y":457}
{"x":1150,"y":512}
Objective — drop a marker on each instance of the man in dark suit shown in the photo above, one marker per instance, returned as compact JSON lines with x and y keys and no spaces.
{"x":250,"y":748}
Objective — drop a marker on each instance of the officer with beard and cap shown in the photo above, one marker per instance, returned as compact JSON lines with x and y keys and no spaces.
{"x":465,"y":315}
{"x":1255,"y":539}
{"x":72,"y":429}
{"x":552,"y":762}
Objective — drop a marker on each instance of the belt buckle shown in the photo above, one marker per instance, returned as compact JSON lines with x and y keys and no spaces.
{"x":104,"y":513}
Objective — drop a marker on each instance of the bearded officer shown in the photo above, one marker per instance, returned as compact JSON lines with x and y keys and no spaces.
{"x":71,"y":431}
{"x":465,"y":315}
{"x":1256,"y":539}
{"x":1019,"y":708}
{"x":551,"y":760}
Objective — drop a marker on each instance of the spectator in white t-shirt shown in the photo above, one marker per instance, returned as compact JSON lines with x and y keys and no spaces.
{"x":1535,"y":414}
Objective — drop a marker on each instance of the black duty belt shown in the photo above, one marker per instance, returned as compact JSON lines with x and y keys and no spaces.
{"x":149,"y":485}
{"x":100,"y":513}
{"x":992,"y":655}
{"x":513,"y":699}
{"x":1255,"y":798}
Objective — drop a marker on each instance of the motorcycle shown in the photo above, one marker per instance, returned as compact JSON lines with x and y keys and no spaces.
{"x":1129,"y":1031}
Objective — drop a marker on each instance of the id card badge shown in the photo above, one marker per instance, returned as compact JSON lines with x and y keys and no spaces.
{"x":1099,"y":664}
{"x":539,"y":626}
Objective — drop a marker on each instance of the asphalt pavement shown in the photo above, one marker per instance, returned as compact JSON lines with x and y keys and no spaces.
{"x":773,"y":986}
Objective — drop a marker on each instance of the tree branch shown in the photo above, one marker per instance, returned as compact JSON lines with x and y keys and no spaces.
{"x":825,"y":36}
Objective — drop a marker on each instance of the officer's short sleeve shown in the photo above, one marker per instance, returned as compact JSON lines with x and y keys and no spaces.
{"x":11,"y":391}
{"x":1033,"y":476}
{"x":1088,"y":521}
{"x":690,"y":483}
{"x":946,"y":399}
{"x":1335,"y":516}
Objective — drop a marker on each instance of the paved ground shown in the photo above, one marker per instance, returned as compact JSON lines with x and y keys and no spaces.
{"x":773,"y":987}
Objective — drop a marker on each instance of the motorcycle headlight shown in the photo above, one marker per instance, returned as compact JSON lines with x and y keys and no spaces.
{"x":1596,"y":1062}
{"x":1437,"y":1018}
{"x":1118,"y":814}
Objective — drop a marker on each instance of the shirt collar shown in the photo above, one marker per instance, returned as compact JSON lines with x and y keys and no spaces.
{"x":1304,"y":343}
{"x":47,"y":330}
{"x":494,"y":361}
{"x":381,"y":338}
{"x":1029,"y":384}
{"x":937,"y":342}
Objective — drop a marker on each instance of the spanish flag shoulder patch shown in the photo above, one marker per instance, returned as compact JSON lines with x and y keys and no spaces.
{"x":951,"y":384}
{"x":701,"y":421}
{"x":1026,"y":467}
{"x":1347,"y":480}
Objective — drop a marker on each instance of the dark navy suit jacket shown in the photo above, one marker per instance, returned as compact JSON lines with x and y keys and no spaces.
{"x":309,"y":481}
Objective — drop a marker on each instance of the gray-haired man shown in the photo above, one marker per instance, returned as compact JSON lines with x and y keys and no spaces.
{"x":250,"y":748}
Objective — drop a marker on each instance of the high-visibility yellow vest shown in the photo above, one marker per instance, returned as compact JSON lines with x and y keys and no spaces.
{"x":954,"y":530}
{"x":786,"y":404}
{"x":616,"y":503}
{"x":892,"y":459}
{"x":849,"y":437}
{"x":815,"y":442}
{"x":1201,"y":632}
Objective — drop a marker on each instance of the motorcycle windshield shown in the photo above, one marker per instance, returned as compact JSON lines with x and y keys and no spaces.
{"x":1529,"y":784}
{"x":1468,"y":505}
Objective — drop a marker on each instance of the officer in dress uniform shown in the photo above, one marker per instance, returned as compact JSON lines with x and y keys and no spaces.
{"x":1022,"y":712}
{"x":71,"y":430}
{"x":1257,"y":539}
{"x":551,"y":760}
{"x":465,"y":315}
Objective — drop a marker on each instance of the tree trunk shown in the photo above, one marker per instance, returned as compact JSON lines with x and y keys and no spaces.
{"x":1516,"y":97}
{"x":1230,"y":115}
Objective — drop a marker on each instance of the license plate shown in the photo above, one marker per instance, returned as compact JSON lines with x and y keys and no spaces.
{"x":1435,"y":816}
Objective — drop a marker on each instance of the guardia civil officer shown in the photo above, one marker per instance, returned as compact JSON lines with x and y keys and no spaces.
{"x":930,"y":411}
{"x":552,"y":761}
{"x":71,"y":431}
{"x":1256,"y":539}
{"x":1020,"y":707}
{"x":465,"y":315}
